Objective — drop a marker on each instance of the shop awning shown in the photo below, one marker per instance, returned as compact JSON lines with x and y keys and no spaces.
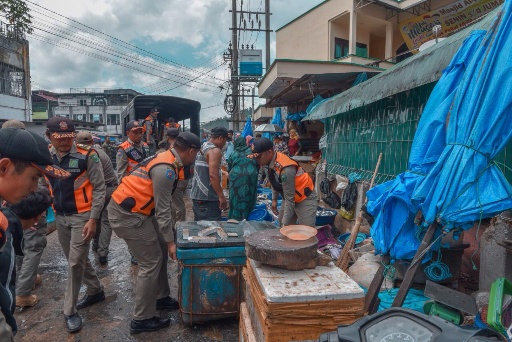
{"x":423,"y":68}
{"x":289,"y":81}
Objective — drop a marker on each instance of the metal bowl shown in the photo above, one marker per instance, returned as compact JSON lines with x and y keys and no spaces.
{"x":298,"y":232}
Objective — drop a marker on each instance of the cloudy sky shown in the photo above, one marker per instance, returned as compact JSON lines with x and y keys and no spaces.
{"x":173,"y":47}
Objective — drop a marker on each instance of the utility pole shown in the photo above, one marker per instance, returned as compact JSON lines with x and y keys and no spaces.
{"x":267,"y":35}
{"x":234,"y":68}
{"x":232,"y":101}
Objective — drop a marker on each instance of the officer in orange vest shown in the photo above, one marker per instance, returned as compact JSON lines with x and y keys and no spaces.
{"x":78,"y":203}
{"x":290,"y":181}
{"x":140,"y":212}
{"x":151,"y":129}
{"x":171,"y":123}
{"x":132,"y":151}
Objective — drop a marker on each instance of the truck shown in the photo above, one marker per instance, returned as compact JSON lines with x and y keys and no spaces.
{"x":179,"y":108}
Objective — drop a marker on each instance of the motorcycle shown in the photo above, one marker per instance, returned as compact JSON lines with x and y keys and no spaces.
{"x":405,"y":325}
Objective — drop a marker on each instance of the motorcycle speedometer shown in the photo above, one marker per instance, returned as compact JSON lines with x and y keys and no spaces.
{"x":398,"y":329}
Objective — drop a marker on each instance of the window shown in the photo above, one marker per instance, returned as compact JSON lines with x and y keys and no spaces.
{"x":96,"y":118}
{"x":361,"y":50}
{"x":82,"y":102}
{"x":340,"y":48}
{"x":113,"y":119}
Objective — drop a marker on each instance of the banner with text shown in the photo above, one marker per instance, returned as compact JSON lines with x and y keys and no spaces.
{"x":452,"y":17}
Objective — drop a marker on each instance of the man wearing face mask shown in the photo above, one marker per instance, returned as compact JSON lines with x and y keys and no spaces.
{"x":207,"y":195}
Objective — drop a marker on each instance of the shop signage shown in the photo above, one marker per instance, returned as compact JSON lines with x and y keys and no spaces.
{"x":451,"y":17}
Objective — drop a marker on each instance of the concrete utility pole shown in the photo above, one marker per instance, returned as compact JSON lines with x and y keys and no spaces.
{"x":234,"y":66}
{"x":267,"y":35}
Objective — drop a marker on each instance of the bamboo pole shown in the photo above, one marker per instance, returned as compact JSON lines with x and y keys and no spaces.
{"x":344,"y":258}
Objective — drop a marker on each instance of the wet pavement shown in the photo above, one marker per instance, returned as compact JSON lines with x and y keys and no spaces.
{"x":108,"y":320}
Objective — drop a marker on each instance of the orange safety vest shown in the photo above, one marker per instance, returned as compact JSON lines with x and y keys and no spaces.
{"x":73,"y":195}
{"x":135,"y":193}
{"x":134,"y":156}
{"x":176,"y":125}
{"x":4,"y":223}
{"x":303,"y":183}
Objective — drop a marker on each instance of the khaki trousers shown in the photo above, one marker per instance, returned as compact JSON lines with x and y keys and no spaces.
{"x":76,"y":251}
{"x":305,"y":211}
{"x":179,"y":212}
{"x":34,"y":243}
{"x":105,"y":230}
{"x":141,"y":234}
{"x":5,"y":330}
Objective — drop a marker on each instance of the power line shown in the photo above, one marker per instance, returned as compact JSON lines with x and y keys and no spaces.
{"x":116,"y":40}
{"x":100,"y":57}
{"x":94,"y":45}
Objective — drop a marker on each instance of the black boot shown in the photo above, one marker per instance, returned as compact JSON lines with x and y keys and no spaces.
{"x":73,"y":322}
{"x":167,"y":303}
{"x":90,"y":300}
{"x":151,"y":324}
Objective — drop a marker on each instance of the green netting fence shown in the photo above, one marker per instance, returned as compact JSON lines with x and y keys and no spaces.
{"x":355,"y":138}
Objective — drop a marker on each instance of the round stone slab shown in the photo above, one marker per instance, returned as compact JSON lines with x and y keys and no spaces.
{"x":272,"y":248}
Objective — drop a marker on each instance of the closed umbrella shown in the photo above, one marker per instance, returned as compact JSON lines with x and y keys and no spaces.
{"x":247,"y":128}
{"x":465,"y":184}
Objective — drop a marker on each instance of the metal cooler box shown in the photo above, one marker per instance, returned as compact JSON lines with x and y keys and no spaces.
{"x":210,"y":275}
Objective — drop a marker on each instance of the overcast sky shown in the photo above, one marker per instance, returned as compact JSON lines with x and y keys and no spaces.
{"x":171,"y":44}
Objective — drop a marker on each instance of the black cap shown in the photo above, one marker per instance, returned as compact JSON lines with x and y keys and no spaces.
{"x":60,"y":127}
{"x":133,"y":125}
{"x":259,"y":146}
{"x":230,"y":131}
{"x":155,"y":109}
{"x":173,"y":133}
{"x":22,"y":145}
{"x":219,"y":132}
{"x":189,"y":139}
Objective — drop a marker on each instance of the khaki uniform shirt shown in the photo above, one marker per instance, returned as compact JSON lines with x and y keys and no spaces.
{"x":122,"y":160}
{"x":95,"y":176}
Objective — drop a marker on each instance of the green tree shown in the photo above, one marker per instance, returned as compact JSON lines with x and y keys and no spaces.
{"x":17,"y":13}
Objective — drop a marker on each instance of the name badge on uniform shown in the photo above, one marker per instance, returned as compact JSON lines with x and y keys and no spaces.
{"x":73,"y":163}
{"x":136,"y":154}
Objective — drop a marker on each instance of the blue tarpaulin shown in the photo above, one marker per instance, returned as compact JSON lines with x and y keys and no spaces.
{"x":247,"y":128}
{"x":395,"y":204}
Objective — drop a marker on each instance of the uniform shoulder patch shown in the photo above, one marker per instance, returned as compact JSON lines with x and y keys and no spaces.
{"x":283,"y":177}
{"x":95,"y":158}
{"x":170,"y":173}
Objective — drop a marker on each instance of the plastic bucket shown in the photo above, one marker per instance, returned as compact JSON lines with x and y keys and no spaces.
{"x":260,"y":215}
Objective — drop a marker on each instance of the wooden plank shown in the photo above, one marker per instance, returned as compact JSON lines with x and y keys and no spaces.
{"x":452,"y":298}
{"x":372,"y":296}
{"x":415,"y":264}
{"x":246,"y":332}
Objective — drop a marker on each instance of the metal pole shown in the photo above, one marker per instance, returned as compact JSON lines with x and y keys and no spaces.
{"x":234,"y":73}
{"x":267,"y":35}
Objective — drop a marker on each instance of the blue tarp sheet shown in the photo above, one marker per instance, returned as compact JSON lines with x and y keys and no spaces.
{"x":464,"y":125}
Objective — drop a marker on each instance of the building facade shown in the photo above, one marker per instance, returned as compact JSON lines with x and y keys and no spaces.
{"x":99,"y":107}
{"x":15,"y":100}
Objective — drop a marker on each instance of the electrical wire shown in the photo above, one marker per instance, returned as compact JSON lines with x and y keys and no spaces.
{"x":115,"y":40}
{"x":107,"y":49}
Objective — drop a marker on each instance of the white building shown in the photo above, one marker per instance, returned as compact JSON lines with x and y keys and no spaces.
{"x":94,"y":106}
{"x":15,"y":100}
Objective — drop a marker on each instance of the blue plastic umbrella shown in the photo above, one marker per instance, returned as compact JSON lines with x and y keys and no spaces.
{"x":394,"y":231}
{"x":465,"y":185}
{"x":247,"y":128}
